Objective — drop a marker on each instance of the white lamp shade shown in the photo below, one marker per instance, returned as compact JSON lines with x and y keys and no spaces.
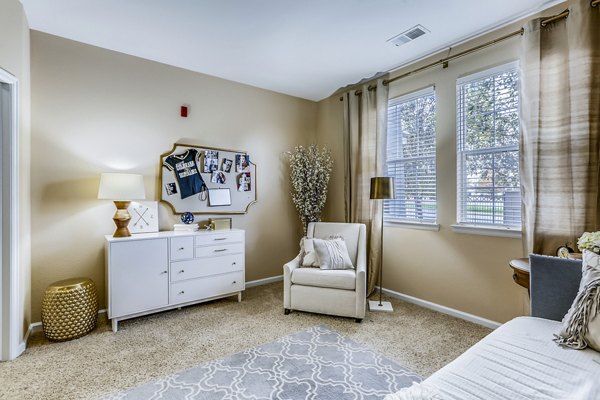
{"x":117,"y":186}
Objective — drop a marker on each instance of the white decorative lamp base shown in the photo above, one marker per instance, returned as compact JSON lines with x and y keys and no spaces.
{"x":374,"y":305}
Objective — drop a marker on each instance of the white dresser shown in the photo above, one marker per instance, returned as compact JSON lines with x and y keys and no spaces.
{"x":151,"y":272}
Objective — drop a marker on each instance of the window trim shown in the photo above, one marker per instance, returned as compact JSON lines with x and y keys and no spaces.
{"x":511,"y":231}
{"x":415,"y":94}
{"x":399,"y":223}
{"x":488,"y":230}
{"x":416,"y":224}
{"x":488,"y":72}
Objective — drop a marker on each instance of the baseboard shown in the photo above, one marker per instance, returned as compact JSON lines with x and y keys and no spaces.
{"x":23,"y":344}
{"x":443,"y":309}
{"x":37,"y":326}
{"x":265,"y":281}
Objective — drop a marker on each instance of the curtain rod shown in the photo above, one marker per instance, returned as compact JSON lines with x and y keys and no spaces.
{"x":556,"y":17}
{"x":444,"y":61}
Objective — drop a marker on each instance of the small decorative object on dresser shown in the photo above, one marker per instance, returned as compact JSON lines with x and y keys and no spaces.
{"x":220,"y":223}
{"x":144,"y":216}
{"x":177,"y":269}
{"x":187,"y":217}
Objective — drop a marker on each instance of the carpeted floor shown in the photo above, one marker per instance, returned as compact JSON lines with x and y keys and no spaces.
{"x":152,"y":347}
{"x":316,"y":363}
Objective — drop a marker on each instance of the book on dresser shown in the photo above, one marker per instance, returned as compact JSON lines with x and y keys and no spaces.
{"x":152,"y":272}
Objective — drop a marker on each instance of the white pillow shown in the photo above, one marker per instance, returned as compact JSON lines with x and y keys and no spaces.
{"x":581,"y":324}
{"x":308,"y":256}
{"x":592,"y":337}
{"x":332,"y":253}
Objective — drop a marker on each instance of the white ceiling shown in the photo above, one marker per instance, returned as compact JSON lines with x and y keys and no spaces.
{"x":304,"y":48}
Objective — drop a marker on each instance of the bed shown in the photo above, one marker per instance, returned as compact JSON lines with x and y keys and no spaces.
{"x":519,"y":361}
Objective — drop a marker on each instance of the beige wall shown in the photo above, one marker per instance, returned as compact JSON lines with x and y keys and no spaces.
{"x":14,"y":58}
{"x":330,"y":121}
{"x":96,"y":111}
{"x":469,"y":273}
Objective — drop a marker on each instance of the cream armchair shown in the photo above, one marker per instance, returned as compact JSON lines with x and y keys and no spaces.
{"x":334,"y":292}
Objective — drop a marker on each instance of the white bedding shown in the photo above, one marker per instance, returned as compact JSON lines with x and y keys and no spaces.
{"x":520,"y":361}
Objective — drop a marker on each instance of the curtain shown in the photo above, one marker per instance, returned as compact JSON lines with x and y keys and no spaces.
{"x":365,"y":129}
{"x":560,"y":105}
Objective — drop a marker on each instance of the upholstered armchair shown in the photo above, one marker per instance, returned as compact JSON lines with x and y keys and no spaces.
{"x":333,"y":292}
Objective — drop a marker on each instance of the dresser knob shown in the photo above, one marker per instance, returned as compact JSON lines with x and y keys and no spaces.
{"x":181,"y":248}
{"x":164,"y":272}
{"x":234,"y":282}
{"x":182,"y":292}
{"x":219,"y":250}
{"x":220,"y":238}
{"x":182,"y":271}
{"x":233,"y":263}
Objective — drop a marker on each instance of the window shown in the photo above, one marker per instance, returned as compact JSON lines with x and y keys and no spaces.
{"x":410,"y":158}
{"x":488,"y":148}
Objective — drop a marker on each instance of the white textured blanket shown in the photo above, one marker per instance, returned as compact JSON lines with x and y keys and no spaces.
{"x":519,"y":361}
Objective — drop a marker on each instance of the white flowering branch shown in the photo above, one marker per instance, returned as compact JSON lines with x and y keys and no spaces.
{"x":589,"y":241}
{"x":310,"y":169}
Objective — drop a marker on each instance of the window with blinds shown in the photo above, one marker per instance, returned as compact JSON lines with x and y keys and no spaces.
{"x":410,"y":158}
{"x":488,"y":148}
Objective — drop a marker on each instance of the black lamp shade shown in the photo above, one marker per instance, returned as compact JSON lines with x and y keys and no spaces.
{"x":382,"y":187}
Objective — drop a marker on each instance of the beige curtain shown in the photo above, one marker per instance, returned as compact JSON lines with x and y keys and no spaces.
{"x":560,"y":104}
{"x":365,"y":128}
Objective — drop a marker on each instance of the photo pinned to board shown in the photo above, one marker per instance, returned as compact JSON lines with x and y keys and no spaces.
{"x":171,"y":188}
{"x":242,"y":163}
{"x":226,"y":165}
{"x":218,"y":177}
{"x":211,"y":161}
{"x":219,"y":197}
{"x":244,"y":182}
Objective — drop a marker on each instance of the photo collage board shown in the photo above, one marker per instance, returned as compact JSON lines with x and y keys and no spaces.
{"x":207,"y":180}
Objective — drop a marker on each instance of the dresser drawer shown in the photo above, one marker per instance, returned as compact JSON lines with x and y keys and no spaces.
{"x":195,"y":289}
{"x":182,"y":248}
{"x":181,"y":270}
{"x":225,"y":237}
{"x":220,"y":250}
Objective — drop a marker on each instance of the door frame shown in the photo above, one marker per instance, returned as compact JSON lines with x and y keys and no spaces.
{"x":10,"y":341}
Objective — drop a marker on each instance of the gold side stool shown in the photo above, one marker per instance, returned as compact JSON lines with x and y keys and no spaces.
{"x":69,"y":309}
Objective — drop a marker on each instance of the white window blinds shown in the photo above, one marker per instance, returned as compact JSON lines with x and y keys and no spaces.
{"x":488,"y":148}
{"x":410,"y":153}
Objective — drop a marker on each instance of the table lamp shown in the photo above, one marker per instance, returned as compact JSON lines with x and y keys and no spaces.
{"x":121,"y":188}
{"x":382,"y":188}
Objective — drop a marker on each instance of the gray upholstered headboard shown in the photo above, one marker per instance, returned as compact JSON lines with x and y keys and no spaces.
{"x":553,"y":285}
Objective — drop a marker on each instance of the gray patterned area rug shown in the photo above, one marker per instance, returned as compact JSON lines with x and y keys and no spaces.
{"x":314,"y":364}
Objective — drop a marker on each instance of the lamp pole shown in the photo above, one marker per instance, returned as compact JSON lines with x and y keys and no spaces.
{"x":382,"y":188}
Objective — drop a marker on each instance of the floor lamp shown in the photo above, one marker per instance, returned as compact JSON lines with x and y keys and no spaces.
{"x":382,"y":188}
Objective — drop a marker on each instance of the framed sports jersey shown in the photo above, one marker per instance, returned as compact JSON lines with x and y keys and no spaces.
{"x":190,"y":172}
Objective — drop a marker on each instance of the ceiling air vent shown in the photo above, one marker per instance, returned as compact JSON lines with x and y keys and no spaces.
{"x":408,"y":35}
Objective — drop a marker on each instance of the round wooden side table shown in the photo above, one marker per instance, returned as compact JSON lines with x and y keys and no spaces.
{"x":521,"y":271}
{"x":69,"y":309}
